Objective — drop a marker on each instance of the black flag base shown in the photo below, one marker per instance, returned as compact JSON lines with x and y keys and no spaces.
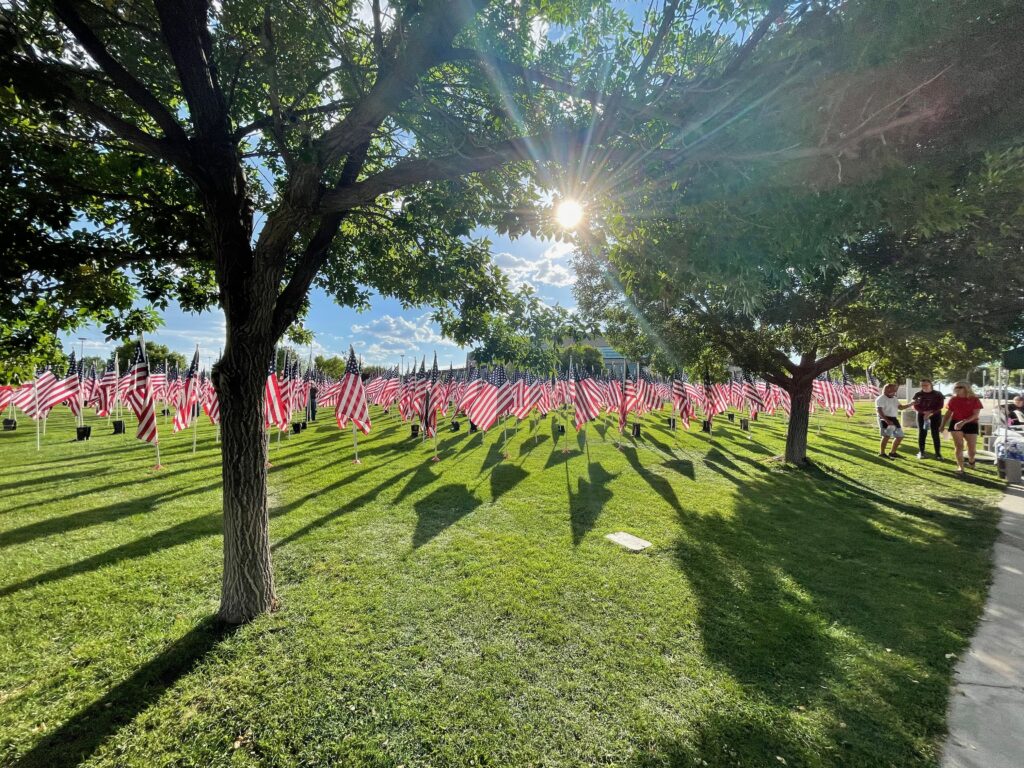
{"x":296,"y":427}
{"x":83,"y":433}
{"x":10,"y":425}
{"x":561,"y":429}
{"x":705,"y":426}
{"x":303,"y":425}
{"x":636,"y":429}
{"x":165,"y":412}
{"x":731,"y":416}
{"x":118,"y":427}
{"x":472,"y":427}
{"x":745,"y":425}
{"x":415,"y":430}
{"x":455,"y":426}
{"x":671,"y":422}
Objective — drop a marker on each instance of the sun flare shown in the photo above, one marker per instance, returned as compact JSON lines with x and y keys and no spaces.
{"x":568,"y":214}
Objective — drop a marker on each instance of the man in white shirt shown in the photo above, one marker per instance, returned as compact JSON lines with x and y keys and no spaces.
{"x":888,"y":407}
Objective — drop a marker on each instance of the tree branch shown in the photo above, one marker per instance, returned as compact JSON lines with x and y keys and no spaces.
{"x":549,"y":146}
{"x":432,"y":34}
{"x":120,"y":76}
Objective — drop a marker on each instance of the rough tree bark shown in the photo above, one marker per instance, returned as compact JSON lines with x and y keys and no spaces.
{"x":800,"y":390}
{"x":248,"y":580}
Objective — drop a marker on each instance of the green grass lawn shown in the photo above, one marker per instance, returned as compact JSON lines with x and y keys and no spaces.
{"x":471,"y":612}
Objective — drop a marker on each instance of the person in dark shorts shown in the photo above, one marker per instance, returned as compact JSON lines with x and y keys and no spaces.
{"x":963,"y":410}
{"x":927,"y":403}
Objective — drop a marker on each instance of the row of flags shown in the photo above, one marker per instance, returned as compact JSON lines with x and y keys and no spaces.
{"x":485,"y":395}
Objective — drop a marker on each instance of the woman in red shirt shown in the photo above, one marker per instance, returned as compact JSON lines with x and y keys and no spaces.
{"x":962,"y":412}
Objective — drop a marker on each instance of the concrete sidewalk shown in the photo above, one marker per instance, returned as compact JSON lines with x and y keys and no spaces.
{"x":986,"y":711}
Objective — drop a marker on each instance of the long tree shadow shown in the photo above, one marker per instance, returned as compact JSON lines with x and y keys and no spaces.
{"x":804,"y":583}
{"x":440,"y":509}
{"x":351,"y":505}
{"x":90,"y":517}
{"x":79,"y":737}
{"x":190,"y":530}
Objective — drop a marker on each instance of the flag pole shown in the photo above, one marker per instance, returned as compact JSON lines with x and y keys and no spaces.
{"x":35,"y":389}
{"x":167,"y":415}
{"x":192,"y":407}
{"x":355,"y":444}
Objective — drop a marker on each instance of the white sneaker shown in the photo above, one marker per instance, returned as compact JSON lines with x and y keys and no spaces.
{"x":920,"y":455}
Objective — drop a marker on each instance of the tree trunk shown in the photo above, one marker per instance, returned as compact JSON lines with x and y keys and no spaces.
{"x":799,"y":416}
{"x":248,"y":586}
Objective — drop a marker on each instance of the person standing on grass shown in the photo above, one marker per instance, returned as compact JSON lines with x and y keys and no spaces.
{"x":888,"y":407}
{"x":927,"y":403}
{"x":962,"y":412}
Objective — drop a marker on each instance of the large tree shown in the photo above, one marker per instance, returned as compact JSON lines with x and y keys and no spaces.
{"x":241,"y":152}
{"x":915,"y":270}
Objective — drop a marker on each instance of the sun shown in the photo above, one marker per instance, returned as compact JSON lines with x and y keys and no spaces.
{"x":568,"y":214}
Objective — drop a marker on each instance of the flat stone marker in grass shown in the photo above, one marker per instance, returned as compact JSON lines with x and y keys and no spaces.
{"x":628,"y":541}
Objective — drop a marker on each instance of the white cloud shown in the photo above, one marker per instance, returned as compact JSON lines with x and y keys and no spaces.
{"x":550,"y":268}
{"x":385,"y":339}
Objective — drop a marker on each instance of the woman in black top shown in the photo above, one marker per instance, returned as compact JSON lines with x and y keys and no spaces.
{"x":928,"y":404}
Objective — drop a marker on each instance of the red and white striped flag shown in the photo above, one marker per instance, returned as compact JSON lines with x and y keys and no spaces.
{"x":483,"y":411}
{"x":274,"y":408}
{"x":139,"y":398}
{"x":352,"y":397}
{"x":186,"y":410}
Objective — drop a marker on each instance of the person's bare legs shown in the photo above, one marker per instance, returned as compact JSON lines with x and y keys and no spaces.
{"x":895,"y":444}
{"x":958,"y":450}
{"x":972,"y":444}
{"x":881,"y":446}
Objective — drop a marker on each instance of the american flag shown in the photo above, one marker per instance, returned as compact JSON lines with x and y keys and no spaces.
{"x":274,"y":408}
{"x":484,"y":409}
{"x":352,"y":397}
{"x":506,"y":393}
{"x":751,"y":395}
{"x":715,"y":399}
{"x":471,"y":391}
{"x":647,"y":397}
{"x":587,"y":403}
{"x":627,"y":398}
{"x":681,"y":401}
{"x":846,"y":394}
{"x":211,"y":403}
{"x":184,"y":415}
{"x":432,"y":400}
{"x":107,"y":388}
{"x":826,"y":393}
{"x":158,"y":381}
{"x":61,"y":389}
{"x":140,"y":398}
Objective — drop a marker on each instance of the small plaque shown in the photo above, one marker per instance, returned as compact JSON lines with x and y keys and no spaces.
{"x":628,"y":541}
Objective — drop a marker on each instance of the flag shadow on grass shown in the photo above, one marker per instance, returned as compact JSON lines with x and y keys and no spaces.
{"x":586,"y":504}
{"x":78,"y":738}
{"x":440,"y":509}
{"x":659,"y":484}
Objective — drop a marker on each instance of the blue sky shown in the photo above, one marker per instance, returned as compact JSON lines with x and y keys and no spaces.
{"x":382,"y":334}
